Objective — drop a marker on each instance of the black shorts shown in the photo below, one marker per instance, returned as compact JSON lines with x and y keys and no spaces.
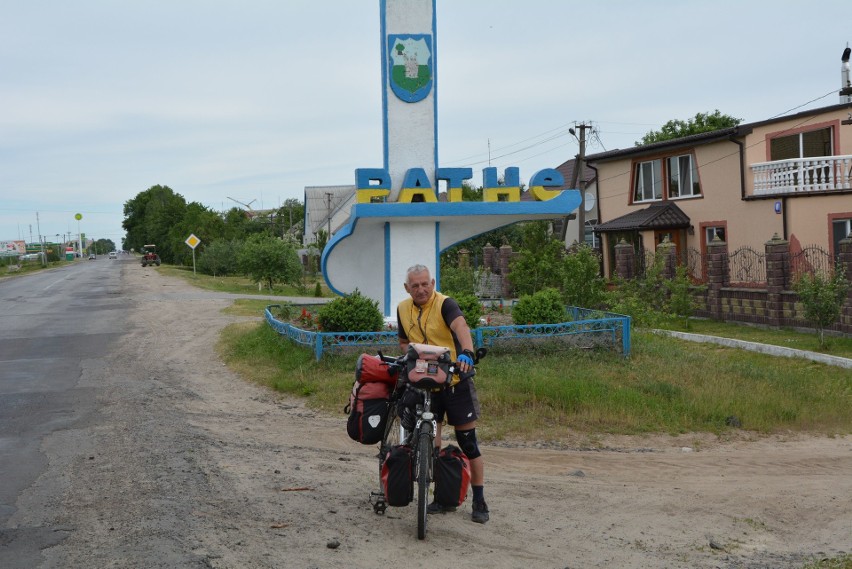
{"x":459,"y":403}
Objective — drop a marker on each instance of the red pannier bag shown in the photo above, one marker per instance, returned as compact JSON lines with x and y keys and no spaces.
{"x":452,"y":477}
{"x":368,"y":402}
{"x":398,"y":476}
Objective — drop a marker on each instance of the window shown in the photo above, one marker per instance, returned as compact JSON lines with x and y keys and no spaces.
{"x":649,"y":182}
{"x":681,"y":179}
{"x":801,"y":145}
{"x":713,"y":232}
{"x":840,"y":229}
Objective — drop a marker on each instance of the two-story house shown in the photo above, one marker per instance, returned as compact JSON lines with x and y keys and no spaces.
{"x":790,"y":176}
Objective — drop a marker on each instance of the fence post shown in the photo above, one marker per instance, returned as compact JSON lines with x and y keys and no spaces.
{"x":845,"y":258}
{"x":488,"y":257}
{"x":718,"y":276}
{"x":777,"y":278}
{"x":505,"y":261}
{"x":668,"y":252}
{"x":625,"y":264}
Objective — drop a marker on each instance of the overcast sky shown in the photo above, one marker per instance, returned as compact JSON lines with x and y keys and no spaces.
{"x":252,"y":100}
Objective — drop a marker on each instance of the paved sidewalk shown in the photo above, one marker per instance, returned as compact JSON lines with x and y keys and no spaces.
{"x":762,"y":348}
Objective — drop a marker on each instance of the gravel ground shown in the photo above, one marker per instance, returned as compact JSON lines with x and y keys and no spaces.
{"x":186,"y":465}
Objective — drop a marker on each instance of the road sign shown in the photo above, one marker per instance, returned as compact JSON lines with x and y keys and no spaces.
{"x":192,"y":241}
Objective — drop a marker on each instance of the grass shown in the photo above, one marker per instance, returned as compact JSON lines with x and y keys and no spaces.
{"x":241,"y":284}
{"x":667,"y":386}
{"x":842,"y":562}
{"x":788,"y":338}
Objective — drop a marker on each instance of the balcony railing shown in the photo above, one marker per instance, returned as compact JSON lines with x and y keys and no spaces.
{"x":819,"y":174}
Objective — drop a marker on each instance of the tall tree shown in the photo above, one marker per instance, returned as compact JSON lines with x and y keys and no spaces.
{"x":701,"y":122}
{"x":150,"y":216}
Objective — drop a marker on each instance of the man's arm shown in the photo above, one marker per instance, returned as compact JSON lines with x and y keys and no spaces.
{"x":462,"y":331}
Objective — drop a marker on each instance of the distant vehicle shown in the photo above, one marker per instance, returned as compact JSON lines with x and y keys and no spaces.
{"x":150,"y":257}
{"x":92,"y":257}
{"x":113,"y":255}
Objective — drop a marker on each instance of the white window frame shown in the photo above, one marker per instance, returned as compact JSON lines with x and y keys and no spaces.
{"x":640,"y":192}
{"x":688,"y":185}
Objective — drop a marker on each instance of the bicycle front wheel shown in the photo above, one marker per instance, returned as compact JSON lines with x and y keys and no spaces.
{"x":424,"y":479}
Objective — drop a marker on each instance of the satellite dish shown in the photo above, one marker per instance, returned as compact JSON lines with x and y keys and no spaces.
{"x":589,"y":201}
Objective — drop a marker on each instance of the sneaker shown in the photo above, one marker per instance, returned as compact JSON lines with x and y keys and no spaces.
{"x":480,"y":512}
{"x":436,"y":508}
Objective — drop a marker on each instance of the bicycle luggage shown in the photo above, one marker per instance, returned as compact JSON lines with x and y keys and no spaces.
{"x":368,"y":403}
{"x":398,"y":476}
{"x":452,"y":477}
{"x":428,"y":366}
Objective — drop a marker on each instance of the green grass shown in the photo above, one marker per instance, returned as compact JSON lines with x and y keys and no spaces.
{"x":836,"y":345}
{"x":666,"y":386}
{"x":842,"y":562}
{"x":240,"y":284}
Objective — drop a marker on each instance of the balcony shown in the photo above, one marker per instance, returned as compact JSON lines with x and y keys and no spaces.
{"x":818,"y":174}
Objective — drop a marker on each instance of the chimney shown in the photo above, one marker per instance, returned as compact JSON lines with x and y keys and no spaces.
{"x":845,"y":80}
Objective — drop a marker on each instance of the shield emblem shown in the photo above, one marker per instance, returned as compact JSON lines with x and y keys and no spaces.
{"x":410,"y":64}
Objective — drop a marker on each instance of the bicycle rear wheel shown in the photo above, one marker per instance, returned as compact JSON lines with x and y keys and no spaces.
{"x":424,"y":479}
{"x":391,"y":439}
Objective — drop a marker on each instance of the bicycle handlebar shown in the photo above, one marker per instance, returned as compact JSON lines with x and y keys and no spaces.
{"x":398,"y":363}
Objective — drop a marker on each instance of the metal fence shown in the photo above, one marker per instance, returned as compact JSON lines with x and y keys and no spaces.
{"x":587,"y":329}
{"x":813,"y":260}
{"x":747,"y":267}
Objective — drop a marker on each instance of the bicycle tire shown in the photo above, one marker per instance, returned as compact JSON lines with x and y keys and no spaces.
{"x":424,"y":471}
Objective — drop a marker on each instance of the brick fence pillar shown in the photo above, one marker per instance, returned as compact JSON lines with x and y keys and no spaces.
{"x":777,"y":278}
{"x":718,"y":276}
{"x":488,"y":261}
{"x":667,"y":251}
{"x":464,"y":259}
{"x":505,"y":261}
{"x":625,"y":260}
{"x":845,"y":257}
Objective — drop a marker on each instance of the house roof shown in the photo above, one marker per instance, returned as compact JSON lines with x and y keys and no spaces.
{"x":567,"y":170}
{"x":704,"y":137}
{"x":660,"y":215}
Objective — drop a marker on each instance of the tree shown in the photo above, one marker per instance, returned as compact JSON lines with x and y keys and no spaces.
{"x":266,"y":259}
{"x":538,"y":264}
{"x":219,"y":257}
{"x":149,"y":218}
{"x":702,"y":122}
{"x":582,"y":283}
{"x":822,"y":298}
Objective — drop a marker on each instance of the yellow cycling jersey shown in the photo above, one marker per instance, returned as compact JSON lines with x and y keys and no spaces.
{"x":425,"y":324}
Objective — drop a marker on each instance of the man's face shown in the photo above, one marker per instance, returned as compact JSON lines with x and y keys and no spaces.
{"x":420,"y":286}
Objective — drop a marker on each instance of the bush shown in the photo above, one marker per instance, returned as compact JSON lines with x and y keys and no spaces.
{"x":582,"y":284}
{"x":219,"y":258}
{"x":471,"y":308}
{"x":458,"y":281}
{"x":318,"y":290}
{"x":353,"y":313}
{"x":543,"y":307}
{"x":822,"y":298}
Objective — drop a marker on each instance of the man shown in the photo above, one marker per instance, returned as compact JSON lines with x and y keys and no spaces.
{"x":429,"y":317}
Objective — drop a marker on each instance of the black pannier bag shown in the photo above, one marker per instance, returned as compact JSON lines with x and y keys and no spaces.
{"x":452,"y":477}
{"x":398,"y":476}
{"x":368,"y":403}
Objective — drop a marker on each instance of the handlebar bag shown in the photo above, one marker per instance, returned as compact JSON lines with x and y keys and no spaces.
{"x":428,"y":365}
{"x":398,"y":476}
{"x":452,"y":477}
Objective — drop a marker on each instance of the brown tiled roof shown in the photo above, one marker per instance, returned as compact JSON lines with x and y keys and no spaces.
{"x":660,"y":215}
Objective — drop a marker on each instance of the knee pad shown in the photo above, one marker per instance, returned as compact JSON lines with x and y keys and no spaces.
{"x":467,"y":443}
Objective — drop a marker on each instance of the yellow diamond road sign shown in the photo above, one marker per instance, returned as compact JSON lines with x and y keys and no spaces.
{"x":192,"y":241}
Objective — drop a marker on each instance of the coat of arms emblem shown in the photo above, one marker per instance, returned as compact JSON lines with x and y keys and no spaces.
{"x":410,"y":65}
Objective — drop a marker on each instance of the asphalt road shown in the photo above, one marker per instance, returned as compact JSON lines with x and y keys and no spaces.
{"x":52,"y":323}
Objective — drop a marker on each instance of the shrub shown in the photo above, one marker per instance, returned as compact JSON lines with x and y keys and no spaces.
{"x":318,"y":290}
{"x":458,"y":281}
{"x":543,"y":307}
{"x":471,"y":308}
{"x":822,"y":298}
{"x":582,"y":284}
{"x":353,"y":313}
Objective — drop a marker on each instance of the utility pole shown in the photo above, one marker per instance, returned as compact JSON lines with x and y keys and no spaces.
{"x":581,"y":173}
{"x":579,"y":179}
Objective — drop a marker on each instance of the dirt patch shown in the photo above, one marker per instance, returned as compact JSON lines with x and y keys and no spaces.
{"x":187,"y":465}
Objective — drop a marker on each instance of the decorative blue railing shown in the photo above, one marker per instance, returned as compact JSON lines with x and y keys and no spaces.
{"x":588,"y":329}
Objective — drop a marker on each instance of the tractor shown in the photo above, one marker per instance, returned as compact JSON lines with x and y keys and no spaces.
{"x":149,"y":256}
